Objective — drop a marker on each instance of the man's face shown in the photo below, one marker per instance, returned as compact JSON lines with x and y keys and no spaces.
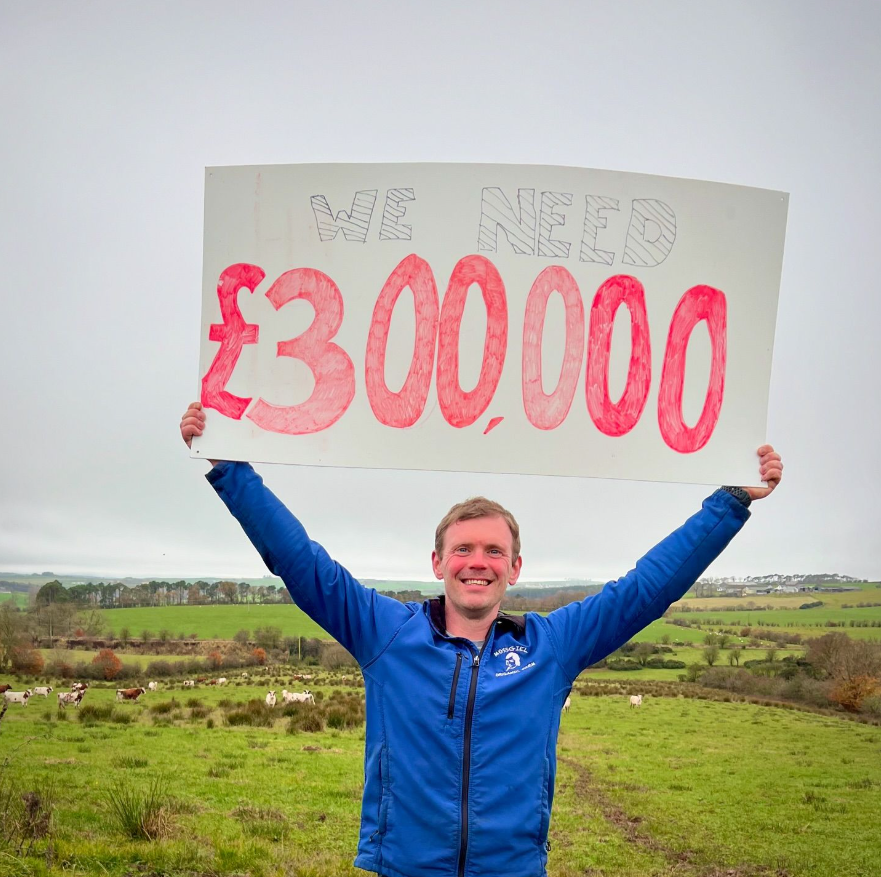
{"x":476,"y":565}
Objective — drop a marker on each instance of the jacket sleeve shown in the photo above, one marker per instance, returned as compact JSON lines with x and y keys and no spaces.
{"x":587,"y":631}
{"x":359,"y":618}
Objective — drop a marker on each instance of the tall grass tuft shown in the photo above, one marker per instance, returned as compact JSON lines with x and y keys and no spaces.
{"x":91,"y":713}
{"x":254,"y":713}
{"x":140,"y":815}
{"x":130,"y":761}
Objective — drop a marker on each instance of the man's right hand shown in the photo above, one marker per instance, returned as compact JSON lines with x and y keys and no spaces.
{"x":193,"y":423}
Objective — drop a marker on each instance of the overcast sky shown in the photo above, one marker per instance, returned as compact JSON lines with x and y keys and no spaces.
{"x":111,"y":111}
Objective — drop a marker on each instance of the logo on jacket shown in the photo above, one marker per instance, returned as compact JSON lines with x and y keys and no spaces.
{"x":513,"y":660}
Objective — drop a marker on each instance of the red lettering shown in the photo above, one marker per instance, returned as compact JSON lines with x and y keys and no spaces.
{"x":543,"y":411}
{"x":698,"y":303}
{"x":232,"y":334}
{"x":404,"y":408}
{"x":331,"y":366}
{"x":458,"y":407}
{"x":610,"y":418}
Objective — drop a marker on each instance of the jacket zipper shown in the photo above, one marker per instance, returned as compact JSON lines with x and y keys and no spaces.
{"x":453,"y":687}
{"x":466,"y":757}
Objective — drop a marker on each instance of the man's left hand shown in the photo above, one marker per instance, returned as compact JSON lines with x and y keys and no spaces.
{"x":770,"y":471}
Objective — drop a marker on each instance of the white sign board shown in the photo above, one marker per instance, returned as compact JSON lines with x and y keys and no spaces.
{"x":494,"y":318}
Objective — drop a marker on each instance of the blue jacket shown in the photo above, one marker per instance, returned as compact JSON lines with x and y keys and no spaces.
{"x":460,"y":747}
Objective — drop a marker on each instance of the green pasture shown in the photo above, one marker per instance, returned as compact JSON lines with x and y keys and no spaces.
{"x":663,"y":626}
{"x":686,"y":787}
{"x":74,"y":656}
{"x":813,"y":619}
{"x":795,"y":617}
{"x":723,"y":788}
{"x":223,"y":622}
{"x":211,"y":622}
{"x":20,"y":600}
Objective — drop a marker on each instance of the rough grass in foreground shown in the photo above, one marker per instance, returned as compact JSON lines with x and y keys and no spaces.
{"x":140,"y":814}
{"x":682,"y":787}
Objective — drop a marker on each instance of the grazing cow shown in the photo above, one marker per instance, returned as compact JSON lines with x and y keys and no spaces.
{"x":567,"y":704}
{"x":270,"y":699}
{"x":245,"y":676}
{"x":298,"y":697}
{"x":635,"y":700}
{"x":152,"y":686}
{"x":222,"y":681}
{"x":189,"y":683}
{"x":79,"y":686}
{"x":201,"y":680}
{"x":68,"y":697}
{"x":129,"y":693}
{"x":43,"y":690}
{"x":21,"y":697}
{"x":4,"y":688}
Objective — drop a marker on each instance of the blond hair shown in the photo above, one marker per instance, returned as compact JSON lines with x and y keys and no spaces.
{"x":477,"y":507}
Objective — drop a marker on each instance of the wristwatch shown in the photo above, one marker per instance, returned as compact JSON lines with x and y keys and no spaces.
{"x":740,"y":495}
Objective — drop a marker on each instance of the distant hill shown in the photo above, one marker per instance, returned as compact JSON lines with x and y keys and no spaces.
{"x":22,"y":583}
{"x":784,"y":579}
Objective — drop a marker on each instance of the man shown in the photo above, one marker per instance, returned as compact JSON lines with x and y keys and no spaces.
{"x":463,"y":701}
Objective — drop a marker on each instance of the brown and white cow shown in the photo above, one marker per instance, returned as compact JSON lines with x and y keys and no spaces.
{"x":65,"y":698}
{"x":21,"y":697}
{"x":4,"y":688}
{"x":129,"y":693}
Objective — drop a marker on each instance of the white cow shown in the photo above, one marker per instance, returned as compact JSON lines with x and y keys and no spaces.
{"x":635,"y":700}
{"x":567,"y":704}
{"x":152,"y":686}
{"x":222,"y":681}
{"x":43,"y":690}
{"x":298,"y":697}
{"x":245,"y":676}
{"x":189,"y":683}
{"x":21,"y":697}
{"x":270,"y":699}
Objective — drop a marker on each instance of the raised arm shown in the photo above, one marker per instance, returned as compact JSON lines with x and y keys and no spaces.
{"x":588,"y":631}
{"x":359,"y":618}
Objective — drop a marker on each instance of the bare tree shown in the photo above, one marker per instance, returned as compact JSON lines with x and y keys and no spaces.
{"x":840,"y":657}
{"x":13,"y":631}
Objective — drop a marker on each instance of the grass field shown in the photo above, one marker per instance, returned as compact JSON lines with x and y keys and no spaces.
{"x":212,"y":622}
{"x":20,"y":600}
{"x":74,"y":656}
{"x":723,"y":789}
{"x":223,"y":622}
{"x":805,"y":622}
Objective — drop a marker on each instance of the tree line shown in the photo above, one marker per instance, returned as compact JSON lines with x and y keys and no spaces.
{"x":116,"y":595}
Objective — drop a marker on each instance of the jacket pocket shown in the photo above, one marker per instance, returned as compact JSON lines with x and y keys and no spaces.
{"x":452,"y":704}
{"x":544,"y":824}
{"x":384,"y":793}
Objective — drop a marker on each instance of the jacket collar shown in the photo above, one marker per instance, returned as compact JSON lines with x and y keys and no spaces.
{"x":438,"y":615}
